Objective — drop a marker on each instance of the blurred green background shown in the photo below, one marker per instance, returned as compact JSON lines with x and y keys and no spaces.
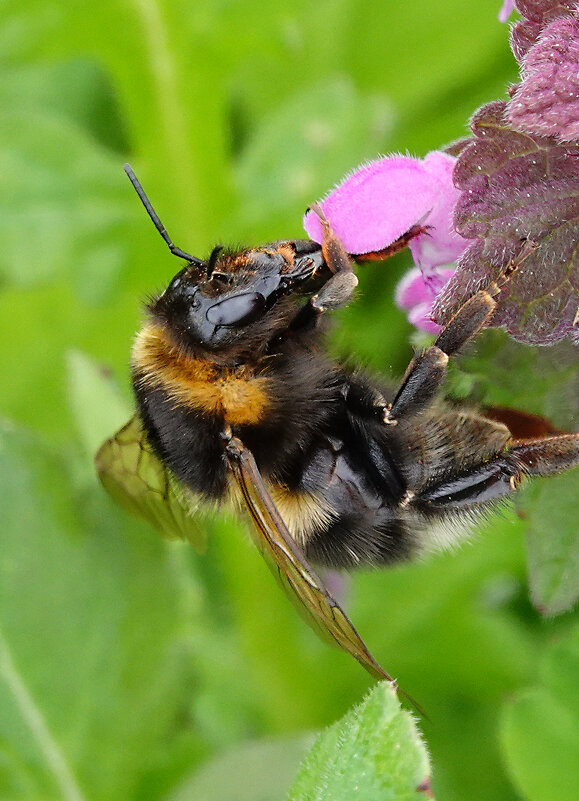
{"x":132,"y":668}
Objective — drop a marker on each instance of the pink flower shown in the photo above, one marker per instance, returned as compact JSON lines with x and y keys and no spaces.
{"x":440,"y":244}
{"x":507,"y":9}
{"x":416,"y":296}
{"x":376,"y":204}
{"x":382,"y":200}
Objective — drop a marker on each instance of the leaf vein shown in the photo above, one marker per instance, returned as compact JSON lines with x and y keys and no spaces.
{"x":35,"y":721}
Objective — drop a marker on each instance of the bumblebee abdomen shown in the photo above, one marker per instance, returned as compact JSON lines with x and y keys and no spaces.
{"x":187,"y":442}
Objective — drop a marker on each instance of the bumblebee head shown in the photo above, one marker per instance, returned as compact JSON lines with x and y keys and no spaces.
{"x":216,"y":303}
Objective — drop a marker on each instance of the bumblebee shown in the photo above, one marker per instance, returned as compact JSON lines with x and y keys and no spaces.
{"x":238,"y":402}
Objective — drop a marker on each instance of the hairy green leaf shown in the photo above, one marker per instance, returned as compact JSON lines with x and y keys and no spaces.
{"x":374,"y":753}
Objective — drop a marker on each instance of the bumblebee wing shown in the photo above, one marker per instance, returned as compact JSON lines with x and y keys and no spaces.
{"x":134,"y":476}
{"x":287,"y":562}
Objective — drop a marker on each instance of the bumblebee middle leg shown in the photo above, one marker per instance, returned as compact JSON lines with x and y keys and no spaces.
{"x":496,"y":478}
{"x":427,"y":371}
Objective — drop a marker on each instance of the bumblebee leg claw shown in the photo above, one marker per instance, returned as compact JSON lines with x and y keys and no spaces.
{"x":366,"y":401}
{"x":420,"y":384}
{"x":336,"y":292}
{"x":226,"y":435}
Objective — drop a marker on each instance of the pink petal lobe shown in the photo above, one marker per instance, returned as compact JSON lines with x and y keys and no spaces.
{"x":440,"y":244}
{"x":506,"y":10}
{"x":412,"y":290}
{"x":416,"y":295}
{"x":420,"y":317}
{"x":377,"y":204}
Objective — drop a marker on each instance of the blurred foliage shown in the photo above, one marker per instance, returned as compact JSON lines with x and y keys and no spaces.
{"x":539,"y":727}
{"x":128,"y":665}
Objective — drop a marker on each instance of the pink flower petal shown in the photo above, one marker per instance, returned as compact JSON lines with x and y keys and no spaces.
{"x":506,"y":10}
{"x":440,"y":244}
{"x":416,"y":295}
{"x":414,"y":288}
{"x":381,"y":201}
{"x":377,"y":203}
{"x":420,"y":318}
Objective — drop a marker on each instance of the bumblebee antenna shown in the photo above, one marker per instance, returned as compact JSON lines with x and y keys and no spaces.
{"x":156,"y":221}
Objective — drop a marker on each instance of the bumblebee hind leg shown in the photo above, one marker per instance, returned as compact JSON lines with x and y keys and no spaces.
{"x":497,"y":478}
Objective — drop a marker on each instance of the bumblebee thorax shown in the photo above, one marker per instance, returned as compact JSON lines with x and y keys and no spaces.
{"x":234,"y":394}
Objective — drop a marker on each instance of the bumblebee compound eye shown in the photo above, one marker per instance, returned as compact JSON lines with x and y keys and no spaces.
{"x":237,"y":310}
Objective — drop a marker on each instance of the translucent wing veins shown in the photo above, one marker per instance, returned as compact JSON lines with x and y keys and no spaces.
{"x":134,"y":476}
{"x":288,"y":563}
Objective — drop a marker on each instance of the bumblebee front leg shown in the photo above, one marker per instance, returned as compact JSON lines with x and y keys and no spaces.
{"x":500,"y":476}
{"x":427,"y":371}
{"x":338,"y":289}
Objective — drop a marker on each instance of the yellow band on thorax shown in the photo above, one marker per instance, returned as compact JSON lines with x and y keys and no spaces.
{"x":234,"y":394}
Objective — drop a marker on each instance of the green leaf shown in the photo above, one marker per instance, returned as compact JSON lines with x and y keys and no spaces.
{"x":539,"y":729}
{"x":94,"y":669}
{"x":97,"y":406}
{"x":374,"y":753}
{"x":550,"y":508}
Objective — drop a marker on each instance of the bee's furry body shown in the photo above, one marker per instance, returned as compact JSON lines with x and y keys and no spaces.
{"x":360,"y":474}
{"x":239,"y":401}
{"x":338,"y":477}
